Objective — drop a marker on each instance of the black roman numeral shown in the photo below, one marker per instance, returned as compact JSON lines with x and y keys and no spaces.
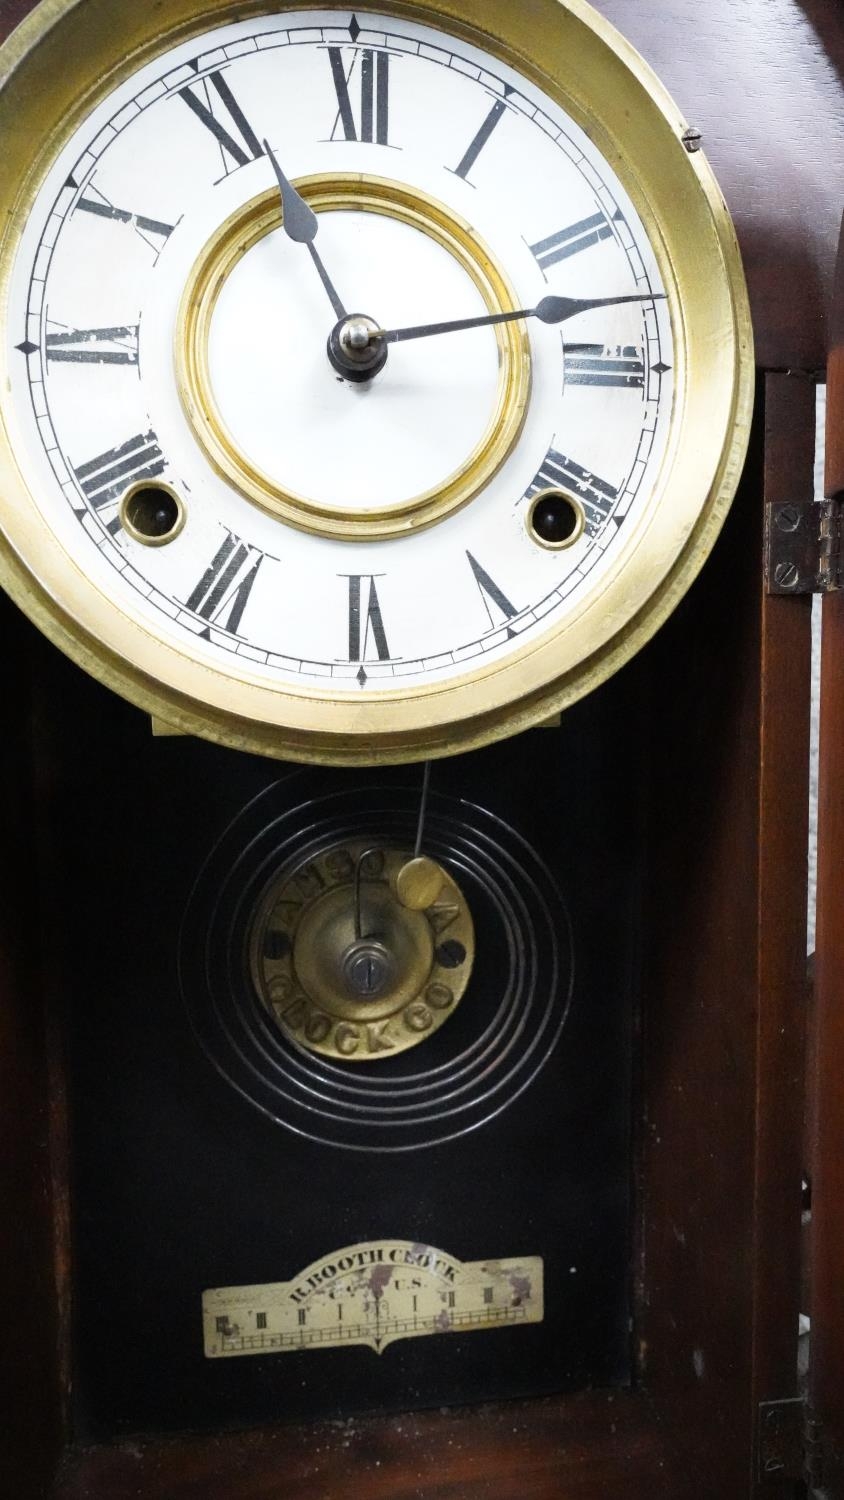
{"x":491,"y":594}
{"x":94,"y":346}
{"x":240,"y":149}
{"x":374,"y":76}
{"x":366,"y":628}
{"x":222,"y":593}
{"x":571,"y":241}
{"x":104,"y":479}
{"x":594,"y":364}
{"x":483,"y":135}
{"x":595,"y":495}
{"x":154,"y":232}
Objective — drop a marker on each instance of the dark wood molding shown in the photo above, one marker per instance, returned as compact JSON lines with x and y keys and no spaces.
{"x":514,"y":1452}
{"x":723,"y":1085}
{"x":783,"y":754}
{"x":764,"y":86}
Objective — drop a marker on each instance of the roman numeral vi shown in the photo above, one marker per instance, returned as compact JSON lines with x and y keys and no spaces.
{"x":366,"y":624}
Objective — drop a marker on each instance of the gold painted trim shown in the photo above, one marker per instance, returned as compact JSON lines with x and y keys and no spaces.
{"x":359,"y":193}
{"x":67,"y":55}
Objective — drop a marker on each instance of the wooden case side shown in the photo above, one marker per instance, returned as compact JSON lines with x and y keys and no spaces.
{"x":724,"y":985}
{"x":826,"y":1280}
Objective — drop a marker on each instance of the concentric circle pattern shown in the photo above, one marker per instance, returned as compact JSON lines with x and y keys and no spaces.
{"x":466,"y":1073}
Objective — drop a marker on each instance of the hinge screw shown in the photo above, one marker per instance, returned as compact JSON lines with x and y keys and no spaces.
{"x":788,"y":518}
{"x":786,"y":575}
{"x":692,"y":139}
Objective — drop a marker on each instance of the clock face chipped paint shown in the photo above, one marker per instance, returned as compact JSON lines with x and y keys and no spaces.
{"x":242,"y":515}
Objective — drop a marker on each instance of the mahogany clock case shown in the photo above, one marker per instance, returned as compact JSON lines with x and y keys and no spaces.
{"x":711,"y":1231}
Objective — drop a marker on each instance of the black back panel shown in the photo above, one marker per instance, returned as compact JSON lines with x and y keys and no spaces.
{"x":180,"y":1183}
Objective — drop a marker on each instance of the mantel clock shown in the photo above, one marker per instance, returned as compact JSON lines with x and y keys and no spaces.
{"x":374,"y":385}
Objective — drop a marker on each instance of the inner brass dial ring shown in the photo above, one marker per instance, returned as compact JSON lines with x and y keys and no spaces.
{"x":359,"y":991}
{"x":359,"y":193}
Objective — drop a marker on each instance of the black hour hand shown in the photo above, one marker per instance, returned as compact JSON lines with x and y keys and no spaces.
{"x":301,"y":224}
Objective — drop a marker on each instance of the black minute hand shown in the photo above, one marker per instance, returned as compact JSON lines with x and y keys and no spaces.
{"x":549,"y":310}
{"x":300,"y":225}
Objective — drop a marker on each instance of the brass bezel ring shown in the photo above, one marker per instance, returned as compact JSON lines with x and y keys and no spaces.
{"x":360,"y":193}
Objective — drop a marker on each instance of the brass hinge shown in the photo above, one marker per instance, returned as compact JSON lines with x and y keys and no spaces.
{"x":814,"y":1450}
{"x":803,"y":552}
{"x":791,"y":1443}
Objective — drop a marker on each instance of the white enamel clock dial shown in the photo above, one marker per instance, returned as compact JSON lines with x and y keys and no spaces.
{"x":322,"y":559}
